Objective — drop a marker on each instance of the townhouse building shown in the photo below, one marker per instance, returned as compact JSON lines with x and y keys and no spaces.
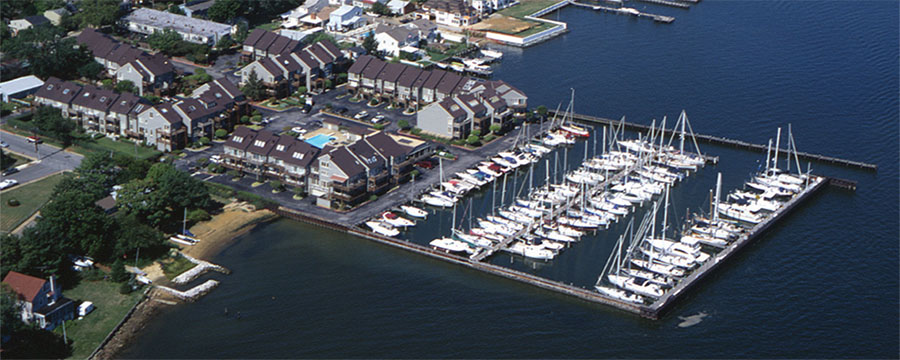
{"x":453,"y":13}
{"x":198,"y":31}
{"x":307,"y":67}
{"x":149,"y":73}
{"x":262,"y":43}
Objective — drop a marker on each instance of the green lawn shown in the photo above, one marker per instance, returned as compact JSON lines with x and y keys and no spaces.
{"x":110,"y":308}
{"x":105,"y":144}
{"x":527,"y":7}
{"x":272,"y":26}
{"x":536,"y":29}
{"x":176,"y":266}
{"x":31,"y":198}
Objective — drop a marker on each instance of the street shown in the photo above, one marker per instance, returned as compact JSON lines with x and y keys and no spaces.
{"x":51,"y":159}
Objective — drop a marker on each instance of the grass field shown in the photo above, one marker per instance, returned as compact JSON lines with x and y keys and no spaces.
{"x":505,"y":24}
{"x":536,"y":29}
{"x":105,"y":144}
{"x":17,"y":161}
{"x":110,"y":307}
{"x":176,"y":266}
{"x":31,"y":198}
{"x":526,"y":7}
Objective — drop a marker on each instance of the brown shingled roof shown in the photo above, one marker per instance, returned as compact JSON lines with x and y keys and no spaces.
{"x":26,"y":286}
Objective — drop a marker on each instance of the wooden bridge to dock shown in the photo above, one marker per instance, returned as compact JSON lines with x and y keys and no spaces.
{"x":730,"y":142}
{"x":674,"y":4}
{"x":626,"y":11}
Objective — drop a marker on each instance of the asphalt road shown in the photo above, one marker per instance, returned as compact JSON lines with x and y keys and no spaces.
{"x":49,"y":159}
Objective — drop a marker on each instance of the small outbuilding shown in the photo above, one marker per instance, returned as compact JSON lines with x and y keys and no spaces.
{"x":20,"y":87}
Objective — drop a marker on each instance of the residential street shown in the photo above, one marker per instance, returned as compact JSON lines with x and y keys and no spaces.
{"x":51,"y":159}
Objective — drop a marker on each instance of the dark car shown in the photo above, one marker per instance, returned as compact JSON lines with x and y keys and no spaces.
{"x":425,"y":164}
{"x":10,"y":171}
{"x":340,"y":110}
{"x":306,"y":109}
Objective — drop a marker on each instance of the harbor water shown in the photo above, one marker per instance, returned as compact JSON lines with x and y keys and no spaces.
{"x":822,"y":283}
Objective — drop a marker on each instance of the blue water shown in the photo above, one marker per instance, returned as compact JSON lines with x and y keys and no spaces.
{"x":320,"y":140}
{"x":821,"y":283}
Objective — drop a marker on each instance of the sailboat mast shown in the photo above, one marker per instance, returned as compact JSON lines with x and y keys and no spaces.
{"x":768,"y":154}
{"x":604,"y":140}
{"x":777,"y":145}
{"x":493,"y":196}
{"x":681,"y":138}
{"x":665,"y":223}
{"x":503,"y":193}
{"x":718,"y":193}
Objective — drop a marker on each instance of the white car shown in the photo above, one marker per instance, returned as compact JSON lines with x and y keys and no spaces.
{"x":85,"y":308}
{"x":377,"y":119}
{"x":215,"y":159}
{"x":361,"y":115}
{"x":298,"y":130}
{"x":8,"y":183}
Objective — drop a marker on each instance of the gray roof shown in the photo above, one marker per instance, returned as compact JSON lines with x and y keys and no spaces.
{"x":392,"y":72}
{"x":180,"y":23}
{"x":267,"y":139}
{"x":242,"y":133}
{"x":37,"y":20}
{"x":448,"y":83}
{"x":373,"y":69}
{"x":409,"y":76}
{"x":58,"y":90}
{"x":386,"y":145}
{"x":452,"y":108}
{"x":360,"y":64}
{"x":346,"y":161}
{"x":20,"y":84}
{"x":434,"y":79}
{"x":95,"y":98}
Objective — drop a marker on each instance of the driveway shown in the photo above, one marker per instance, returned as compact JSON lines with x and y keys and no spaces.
{"x":49,"y":159}
{"x":225,"y":66}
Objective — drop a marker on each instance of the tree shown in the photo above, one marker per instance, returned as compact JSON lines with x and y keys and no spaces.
{"x":134,"y":235}
{"x":198,"y":215}
{"x":495,"y":128}
{"x":99,"y":13}
{"x":224,"y":11}
{"x":32,"y":253}
{"x":381,"y":9}
{"x":242,"y":31}
{"x":163,"y":195}
{"x":51,"y":122}
{"x":48,"y":51}
{"x":203,"y":141}
{"x":90,"y":70}
{"x":542,"y":110}
{"x":173,"y":8}
{"x":403,"y":124}
{"x":370,"y":44}
{"x":225,"y":43}
{"x":254,"y":88}
{"x":476,"y":132}
{"x":245,"y":119}
{"x":80,"y":225}
{"x":165,"y":41}
{"x":125,"y":86}
{"x":221,"y":133}
{"x":117,"y":272}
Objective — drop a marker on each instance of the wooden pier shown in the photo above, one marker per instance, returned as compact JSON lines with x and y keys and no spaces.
{"x":627,"y":11}
{"x":657,"y":308}
{"x":674,"y":4}
{"x":730,"y":142}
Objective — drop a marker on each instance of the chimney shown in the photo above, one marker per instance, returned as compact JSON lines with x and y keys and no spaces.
{"x":53,"y":291}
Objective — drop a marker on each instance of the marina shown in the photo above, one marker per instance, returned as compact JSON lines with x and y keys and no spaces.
{"x":539,"y":225}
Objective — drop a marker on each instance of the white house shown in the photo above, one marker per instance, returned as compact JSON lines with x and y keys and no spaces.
{"x":399,"y":7}
{"x":40,"y":301}
{"x":390,"y":40}
{"x":21,"y":24}
{"x":345,"y":18}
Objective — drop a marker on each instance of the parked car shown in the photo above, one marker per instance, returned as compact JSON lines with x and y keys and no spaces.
{"x":8,"y":183}
{"x":215,"y":159}
{"x":425,"y":164}
{"x":378,"y":118}
{"x":34,"y":139}
{"x":361,"y":115}
{"x":3,"y":144}
{"x":340,"y":110}
{"x":298,"y":130}
{"x":10,"y":171}
{"x":306,"y":109}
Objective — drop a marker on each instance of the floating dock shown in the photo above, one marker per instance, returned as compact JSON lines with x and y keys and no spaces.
{"x":674,"y":4}
{"x":730,"y":142}
{"x":627,"y":11}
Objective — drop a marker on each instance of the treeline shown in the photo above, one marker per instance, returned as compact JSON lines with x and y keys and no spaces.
{"x":151,"y":201}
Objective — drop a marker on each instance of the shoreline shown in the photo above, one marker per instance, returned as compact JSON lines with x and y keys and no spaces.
{"x":216,"y":234}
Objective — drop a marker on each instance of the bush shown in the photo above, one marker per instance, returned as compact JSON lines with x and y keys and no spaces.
{"x":489,"y":137}
{"x":203,"y":141}
{"x":476,"y":132}
{"x":329,"y":106}
{"x":13,"y":202}
{"x":403,"y":124}
{"x":256,"y":113}
{"x":495,"y":128}
{"x":245,"y":119}
{"x":373,"y":197}
{"x":473,"y":139}
{"x":458,"y":142}
{"x":301,"y":90}
{"x":256,"y":119}
{"x":415,"y":131}
{"x":414,"y":173}
{"x":379,"y":126}
{"x":107,"y":84}
{"x":125,"y":288}
{"x":198,"y":215}
{"x":202,"y":161}
{"x":221,"y":133}
{"x":233,"y":173}
{"x":373,"y":102}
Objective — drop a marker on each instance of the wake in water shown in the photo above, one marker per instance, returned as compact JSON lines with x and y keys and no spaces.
{"x":688,"y":321}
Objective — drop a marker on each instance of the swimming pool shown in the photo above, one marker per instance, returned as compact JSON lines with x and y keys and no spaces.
{"x":320,"y":140}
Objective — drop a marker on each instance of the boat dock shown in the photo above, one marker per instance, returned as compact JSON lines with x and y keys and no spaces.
{"x":627,"y":11}
{"x":730,"y":142}
{"x":660,"y":305}
{"x":674,"y":4}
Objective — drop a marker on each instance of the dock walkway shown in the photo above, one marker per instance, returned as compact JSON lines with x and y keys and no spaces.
{"x":730,"y":142}
{"x":627,"y":11}
{"x":674,"y":4}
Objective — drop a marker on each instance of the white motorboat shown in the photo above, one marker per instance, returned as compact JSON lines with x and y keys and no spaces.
{"x":492,"y":53}
{"x":474,"y":240}
{"x":436,"y":201}
{"x":382,"y":228}
{"x":395,"y":220}
{"x":530,"y":251}
{"x":662,"y":269}
{"x":575,"y":130}
{"x":451,"y":246}
{"x":694,"y":239}
{"x":670,"y":259}
{"x":667,"y":246}
{"x":651,"y":276}
{"x":414,"y":211}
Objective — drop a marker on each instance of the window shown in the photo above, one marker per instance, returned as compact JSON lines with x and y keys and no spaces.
{"x":238,"y":139}
{"x":259,"y":143}
{"x":298,"y":156}
{"x":280,"y":147}
{"x":65,"y":91}
{"x":50,"y":87}
{"x":103,"y":99}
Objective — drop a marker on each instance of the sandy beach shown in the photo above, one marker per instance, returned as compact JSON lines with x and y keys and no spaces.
{"x":216,"y":234}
